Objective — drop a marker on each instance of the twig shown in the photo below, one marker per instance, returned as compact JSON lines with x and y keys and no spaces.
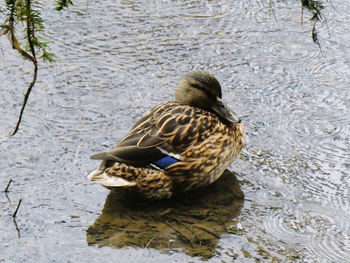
{"x":176,"y":230}
{"x":207,"y":230}
{"x":7,"y":187}
{"x":19,"y":203}
{"x":189,"y":229}
{"x":331,"y":4}
{"x":18,"y":232}
{"x":32,"y":57}
{"x":166,"y":212}
{"x":10,"y":31}
{"x":8,"y":199}
{"x":149,"y":242}
{"x":314,"y":36}
{"x":302,"y":12}
{"x":26,"y":96}
{"x":273,"y":12}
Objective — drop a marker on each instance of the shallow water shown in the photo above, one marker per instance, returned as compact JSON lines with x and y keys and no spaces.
{"x":117,"y":59}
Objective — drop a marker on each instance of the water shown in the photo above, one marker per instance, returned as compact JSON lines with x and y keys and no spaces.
{"x":116,"y":60}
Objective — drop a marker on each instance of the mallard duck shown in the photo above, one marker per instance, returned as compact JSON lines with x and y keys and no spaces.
{"x":177,"y":146}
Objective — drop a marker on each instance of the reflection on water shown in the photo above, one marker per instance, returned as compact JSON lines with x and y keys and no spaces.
{"x":193,"y":222}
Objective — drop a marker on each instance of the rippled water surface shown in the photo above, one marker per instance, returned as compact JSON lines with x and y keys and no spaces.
{"x":117,"y":59}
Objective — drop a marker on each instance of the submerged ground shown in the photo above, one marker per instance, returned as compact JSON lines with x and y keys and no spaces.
{"x":116,"y":60}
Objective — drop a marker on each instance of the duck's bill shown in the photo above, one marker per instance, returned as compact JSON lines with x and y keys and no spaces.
{"x":225,"y":112}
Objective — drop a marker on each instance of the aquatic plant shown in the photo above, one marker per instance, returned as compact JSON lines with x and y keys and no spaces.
{"x":315,"y":8}
{"x":61,"y":4}
{"x":26,"y":15}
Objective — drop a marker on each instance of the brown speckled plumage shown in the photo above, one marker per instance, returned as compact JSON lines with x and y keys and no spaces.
{"x":197,"y":130}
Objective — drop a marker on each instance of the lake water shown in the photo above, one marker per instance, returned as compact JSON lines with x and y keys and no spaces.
{"x":116,"y":60}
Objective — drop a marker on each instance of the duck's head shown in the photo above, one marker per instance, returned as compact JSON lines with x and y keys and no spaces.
{"x":202,"y":90}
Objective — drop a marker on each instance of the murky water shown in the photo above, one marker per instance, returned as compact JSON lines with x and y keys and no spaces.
{"x":117,"y":59}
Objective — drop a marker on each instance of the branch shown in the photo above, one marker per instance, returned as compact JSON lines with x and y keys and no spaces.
{"x":18,"y":205}
{"x":31,"y":57}
{"x":9,"y":30}
{"x":7,"y":187}
{"x":26,"y":96}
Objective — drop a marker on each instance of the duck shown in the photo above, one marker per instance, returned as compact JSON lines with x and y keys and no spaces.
{"x":177,"y":146}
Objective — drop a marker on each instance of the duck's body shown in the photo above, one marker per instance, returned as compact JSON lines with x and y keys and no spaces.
{"x":176,"y":146}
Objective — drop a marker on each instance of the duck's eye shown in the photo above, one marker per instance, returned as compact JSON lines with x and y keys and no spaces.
{"x":203,"y":88}
{"x":196,"y":86}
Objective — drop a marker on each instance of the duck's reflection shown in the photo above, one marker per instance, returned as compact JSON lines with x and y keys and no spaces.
{"x":192,"y":222}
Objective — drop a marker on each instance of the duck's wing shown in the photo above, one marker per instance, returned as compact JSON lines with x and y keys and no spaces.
{"x":166,"y":131}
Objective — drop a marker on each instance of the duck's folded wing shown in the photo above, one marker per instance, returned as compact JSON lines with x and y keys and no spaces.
{"x":156,"y":136}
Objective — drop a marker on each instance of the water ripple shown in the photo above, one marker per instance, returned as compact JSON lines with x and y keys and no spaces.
{"x":294,"y":52}
{"x":330,"y":249}
{"x":317,"y":227}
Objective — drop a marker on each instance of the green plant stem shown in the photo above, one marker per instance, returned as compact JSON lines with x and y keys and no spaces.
{"x":32,"y":57}
{"x":26,"y":96}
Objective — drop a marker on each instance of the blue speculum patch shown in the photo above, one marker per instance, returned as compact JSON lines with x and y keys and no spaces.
{"x":165,"y":162}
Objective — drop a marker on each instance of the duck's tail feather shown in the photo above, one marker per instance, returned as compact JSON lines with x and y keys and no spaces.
{"x":109,"y":181}
{"x":99,"y":156}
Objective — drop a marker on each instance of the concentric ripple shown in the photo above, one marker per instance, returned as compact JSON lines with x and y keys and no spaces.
{"x":319,"y":229}
{"x":331,"y":248}
{"x":294,"y":52}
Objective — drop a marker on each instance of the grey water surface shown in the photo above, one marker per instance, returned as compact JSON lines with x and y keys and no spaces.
{"x":116,"y":60}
